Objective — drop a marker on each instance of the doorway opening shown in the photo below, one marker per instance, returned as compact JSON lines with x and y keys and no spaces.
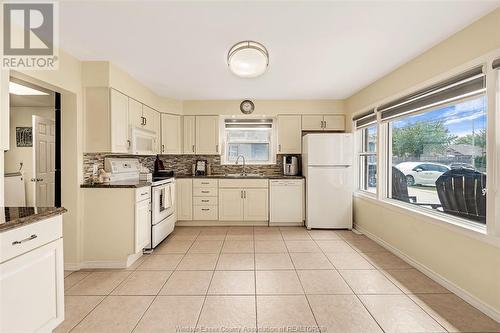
{"x":33,"y":161}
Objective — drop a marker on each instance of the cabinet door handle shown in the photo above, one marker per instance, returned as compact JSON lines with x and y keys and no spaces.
{"x":204,"y":183}
{"x":128,"y":142}
{"x":24,"y":240}
{"x":204,"y":200}
{"x":216,"y":148}
{"x":205,"y":191}
{"x":145,"y":121}
{"x":162,"y":148}
{"x":326,"y":124}
{"x":279,"y":147}
{"x":205,"y":209}
{"x":244,"y":194}
{"x":241,"y":194}
{"x":193,"y":148}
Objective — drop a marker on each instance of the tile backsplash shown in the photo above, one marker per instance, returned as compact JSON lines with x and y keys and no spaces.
{"x":182,"y":164}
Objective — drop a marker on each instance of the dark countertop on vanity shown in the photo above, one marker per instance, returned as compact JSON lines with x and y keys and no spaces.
{"x":125,"y":184}
{"x":16,"y":217}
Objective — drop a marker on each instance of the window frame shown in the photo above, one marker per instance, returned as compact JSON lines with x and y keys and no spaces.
{"x":490,"y":232}
{"x":388,"y":161}
{"x":272,"y":142}
{"x":362,"y":151}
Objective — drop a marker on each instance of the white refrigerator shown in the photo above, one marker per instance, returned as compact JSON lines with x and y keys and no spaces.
{"x":327,"y":164}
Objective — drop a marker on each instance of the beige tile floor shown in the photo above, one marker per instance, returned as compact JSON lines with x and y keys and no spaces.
{"x":228,"y":279}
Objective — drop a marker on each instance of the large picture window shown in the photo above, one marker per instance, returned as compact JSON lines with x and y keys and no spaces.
{"x":438,"y":158}
{"x":251,"y":138}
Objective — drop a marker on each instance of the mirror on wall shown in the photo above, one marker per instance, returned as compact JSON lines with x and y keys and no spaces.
{"x":32,"y":161}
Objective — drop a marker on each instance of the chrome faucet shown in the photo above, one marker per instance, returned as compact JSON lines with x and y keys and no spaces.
{"x":244,"y":163}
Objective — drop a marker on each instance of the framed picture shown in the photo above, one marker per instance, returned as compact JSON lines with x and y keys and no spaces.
{"x":24,"y":137}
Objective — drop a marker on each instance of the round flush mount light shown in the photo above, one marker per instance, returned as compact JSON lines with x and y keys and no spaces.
{"x":248,"y":59}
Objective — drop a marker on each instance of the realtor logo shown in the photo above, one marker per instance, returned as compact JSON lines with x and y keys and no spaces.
{"x":29,"y":31}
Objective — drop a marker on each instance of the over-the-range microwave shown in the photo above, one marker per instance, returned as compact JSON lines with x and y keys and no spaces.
{"x":143,"y":142}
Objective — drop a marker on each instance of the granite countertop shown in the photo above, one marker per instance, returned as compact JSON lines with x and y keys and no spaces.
{"x":124,"y":184}
{"x":16,"y":217}
{"x":242,"y":177}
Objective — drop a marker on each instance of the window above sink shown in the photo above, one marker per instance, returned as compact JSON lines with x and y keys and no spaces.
{"x":252,"y":138}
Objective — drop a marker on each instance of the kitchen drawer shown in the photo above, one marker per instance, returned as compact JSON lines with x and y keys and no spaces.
{"x":205,"y":201}
{"x":31,"y":236}
{"x":204,"y":192}
{"x":205,"y":213}
{"x":243,"y":183}
{"x":142,"y":193}
{"x":204,"y":182}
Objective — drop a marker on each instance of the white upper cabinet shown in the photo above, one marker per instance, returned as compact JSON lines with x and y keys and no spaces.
{"x":106,"y":121}
{"x":312,"y":123}
{"x":171,"y":139}
{"x":289,"y":134}
{"x":207,"y":135}
{"x":152,"y":120}
{"x":120,"y":142}
{"x":135,"y":113}
{"x":189,"y":135}
{"x":334,"y":122}
{"x":323,"y":122}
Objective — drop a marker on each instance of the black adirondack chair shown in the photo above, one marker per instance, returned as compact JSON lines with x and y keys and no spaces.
{"x":462,"y":192}
{"x":400,"y":190}
{"x":400,"y":187}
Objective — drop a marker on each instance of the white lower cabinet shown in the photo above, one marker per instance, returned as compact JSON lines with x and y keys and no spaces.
{"x":231,"y":204}
{"x":32,"y":287}
{"x":243,"y":200}
{"x":205,"y":200}
{"x":142,"y":224}
{"x":256,"y":207}
{"x":184,"y":198}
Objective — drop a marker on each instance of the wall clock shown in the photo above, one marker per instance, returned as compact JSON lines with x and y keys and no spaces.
{"x":247,"y":107}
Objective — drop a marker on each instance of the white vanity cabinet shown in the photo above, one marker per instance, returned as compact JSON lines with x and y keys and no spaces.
{"x":32,"y":277}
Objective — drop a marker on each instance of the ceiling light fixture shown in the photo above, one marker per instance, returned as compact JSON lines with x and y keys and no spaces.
{"x":248,"y":59}
{"x":19,"y":89}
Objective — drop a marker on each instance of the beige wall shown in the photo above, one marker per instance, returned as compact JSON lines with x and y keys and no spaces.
{"x":469,"y":263}
{"x":472,"y":42}
{"x":22,"y":117}
{"x":105,"y":74}
{"x":263,"y":107}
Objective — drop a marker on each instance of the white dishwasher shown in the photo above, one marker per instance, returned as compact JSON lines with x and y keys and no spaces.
{"x":287,"y":202}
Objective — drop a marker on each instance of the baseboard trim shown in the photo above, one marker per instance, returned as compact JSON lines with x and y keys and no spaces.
{"x":460,"y":292}
{"x":103,"y":264}
{"x":218,"y":223}
{"x":71,"y":266}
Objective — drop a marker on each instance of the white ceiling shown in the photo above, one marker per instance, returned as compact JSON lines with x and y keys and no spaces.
{"x":318,"y":50}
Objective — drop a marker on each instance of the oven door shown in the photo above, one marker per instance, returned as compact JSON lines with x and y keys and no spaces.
{"x":163,"y":202}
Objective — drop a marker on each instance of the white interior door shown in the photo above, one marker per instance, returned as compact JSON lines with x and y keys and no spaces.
{"x":44,"y":160}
